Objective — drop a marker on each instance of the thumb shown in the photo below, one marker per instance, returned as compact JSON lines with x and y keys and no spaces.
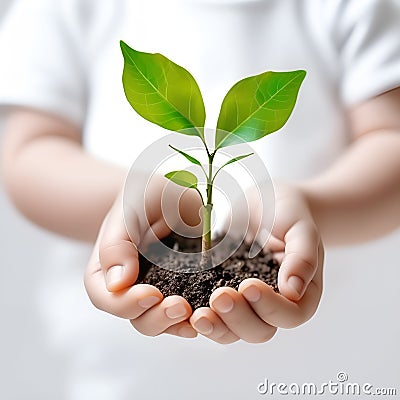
{"x":301,"y":259}
{"x":118,"y":255}
{"x":120,"y":264}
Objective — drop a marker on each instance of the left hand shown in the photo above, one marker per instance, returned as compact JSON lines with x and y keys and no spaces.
{"x":254,"y":312}
{"x":110,"y":277}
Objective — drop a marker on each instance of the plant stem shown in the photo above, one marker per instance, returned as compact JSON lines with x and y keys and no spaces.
{"x":206,"y":260}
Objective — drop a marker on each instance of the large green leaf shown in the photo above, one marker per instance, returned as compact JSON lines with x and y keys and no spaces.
{"x":183,"y":178}
{"x":257,"y":106}
{"x":162,"y":92}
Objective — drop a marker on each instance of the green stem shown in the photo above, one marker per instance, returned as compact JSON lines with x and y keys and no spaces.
{"x":205,"y":145}
{"x":206,"y":258}
{"x":207,"y":211}
{"x":201,"y":196}
{"x":209,"y":178}
{"x":204,"y":172}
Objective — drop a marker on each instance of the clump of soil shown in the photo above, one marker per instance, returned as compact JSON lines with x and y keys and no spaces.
{"x":196,"y":287}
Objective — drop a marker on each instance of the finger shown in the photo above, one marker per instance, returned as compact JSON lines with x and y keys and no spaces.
{"x":274,"y":244}
{"x":120,"y":264}
{"x":170,"y":311}
{"x":207,"y":322}
{"x":118,"y":256}
{"x":182,"y":329}
{"x":158,"y":230}
{"x":277,"y":310}
{"x":239,"y":317}
{"x":128,"y":303}
{"x":279,"y":256}
{"x":228,"y":338}
{"x":300,"y":261}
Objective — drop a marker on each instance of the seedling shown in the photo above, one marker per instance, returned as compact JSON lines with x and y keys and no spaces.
{"x":167,"y":95}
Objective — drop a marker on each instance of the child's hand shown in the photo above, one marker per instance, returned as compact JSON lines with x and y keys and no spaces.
{"x":113,"y":268}
{"x":255,"y":311}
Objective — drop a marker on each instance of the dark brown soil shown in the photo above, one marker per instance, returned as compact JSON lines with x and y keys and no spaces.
{"x":196,"y":287}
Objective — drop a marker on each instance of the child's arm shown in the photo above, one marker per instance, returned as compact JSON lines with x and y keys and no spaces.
{"x":57,"y":185}
{"x":51,"y":179}
{"x":356,"y":199}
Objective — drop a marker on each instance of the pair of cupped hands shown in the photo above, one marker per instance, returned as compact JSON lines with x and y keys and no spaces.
{"x":252,"y":313}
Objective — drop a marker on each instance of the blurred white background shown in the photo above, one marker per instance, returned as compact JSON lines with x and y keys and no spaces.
{"x":357,"y":322}
{"x":28,"y":368}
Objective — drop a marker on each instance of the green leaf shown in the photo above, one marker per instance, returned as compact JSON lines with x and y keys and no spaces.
{"x":187,"y":156}
{"x":162,"y":92}
{"x":183,"y":178}
{"x":257,"y":106}
{"x":238,"y":158}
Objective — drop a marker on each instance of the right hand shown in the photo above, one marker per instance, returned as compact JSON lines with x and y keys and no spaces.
{"x":113,"y":267}
{"x":254,"y":312}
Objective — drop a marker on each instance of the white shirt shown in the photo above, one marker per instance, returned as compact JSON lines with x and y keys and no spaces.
{"x":64,"y":57}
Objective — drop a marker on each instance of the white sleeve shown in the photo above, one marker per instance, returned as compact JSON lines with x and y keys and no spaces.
{"x":367,"y":38}
{"x":40,"y":65}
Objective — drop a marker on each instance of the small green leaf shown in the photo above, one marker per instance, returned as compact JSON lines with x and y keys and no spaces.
{"x":183,"y":178}
{"x":257,"y":106}
{"x":238,"y":158}
{"x":162,"y":92}
{"x":187,"y":156}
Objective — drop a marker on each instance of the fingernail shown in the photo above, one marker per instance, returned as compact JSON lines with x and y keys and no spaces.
{"x":114,"y":275}
{"x":296,"y":284}
{"x":148,"y":302}
{"x":203,"y":326}
{"x":252,"y":293}
{"x":223,"y":303}
{"x":187,"y":332}
{"x":175,"y":311}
